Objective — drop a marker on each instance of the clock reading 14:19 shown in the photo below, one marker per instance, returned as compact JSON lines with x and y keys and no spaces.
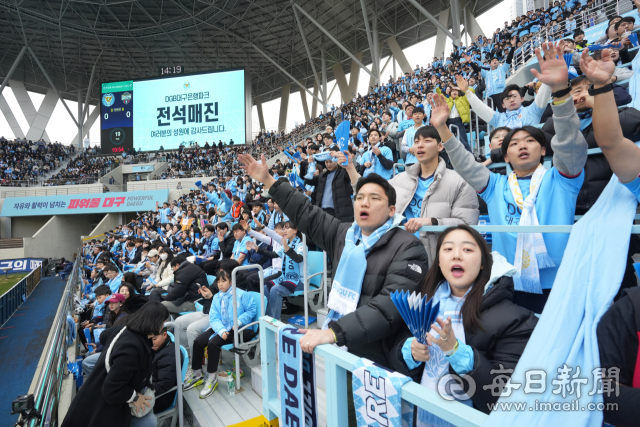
{"x":176,"y":69}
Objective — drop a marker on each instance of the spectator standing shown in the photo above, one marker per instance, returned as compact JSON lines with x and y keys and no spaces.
{"x":333,"y":190}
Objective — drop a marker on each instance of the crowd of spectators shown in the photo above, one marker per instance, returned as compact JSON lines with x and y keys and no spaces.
{"x":24,"y":163}
{"x":402,"y":164}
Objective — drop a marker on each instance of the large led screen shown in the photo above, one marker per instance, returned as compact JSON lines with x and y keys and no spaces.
{"x":173,"y":111}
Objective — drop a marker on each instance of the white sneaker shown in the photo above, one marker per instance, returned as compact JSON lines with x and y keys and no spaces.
{"x":192,"y":381}
{"x":209,"y":387}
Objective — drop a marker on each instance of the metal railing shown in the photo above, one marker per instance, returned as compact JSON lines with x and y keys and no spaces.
{"x":53,"y":366}
{"x":336,"y":364}
{"x":18,"y":294}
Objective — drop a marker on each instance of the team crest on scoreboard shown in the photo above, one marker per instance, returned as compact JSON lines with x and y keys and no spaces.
{"x":187,"y":85}
{"x":126,"y":98}
{"x":108,"y":99}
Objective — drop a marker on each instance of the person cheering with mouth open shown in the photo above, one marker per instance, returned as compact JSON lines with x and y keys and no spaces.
{"x":374,"y":257}
{"x":530,"y":195}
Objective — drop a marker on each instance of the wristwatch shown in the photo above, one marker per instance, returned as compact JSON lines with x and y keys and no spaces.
{"x":434,"y":221}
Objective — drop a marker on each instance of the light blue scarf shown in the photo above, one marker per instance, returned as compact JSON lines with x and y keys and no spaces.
{"x":347,"y":284}
{"x":376,"y":396}
{"x":634,"y":83}
{"x":225,"y":299}
{"x":311,"y":169}
{"x":322,"y":157}
{"x":514,"y":118}
{"x":587,"y":280}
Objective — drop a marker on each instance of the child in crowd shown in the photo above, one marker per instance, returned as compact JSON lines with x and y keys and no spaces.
{"x":220,"y":332}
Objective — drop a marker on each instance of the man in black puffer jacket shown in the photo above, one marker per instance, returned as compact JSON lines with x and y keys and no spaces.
{"x":336,"y":198}
{"x":187,"y":279}
{"x":398,"y":261}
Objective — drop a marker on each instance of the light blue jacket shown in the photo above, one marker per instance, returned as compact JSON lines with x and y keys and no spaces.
{"x":223,"y":322}
{"x":222,"y":203}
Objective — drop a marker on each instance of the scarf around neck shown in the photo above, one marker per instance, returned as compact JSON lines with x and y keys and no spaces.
{"x":347,"y":284}
{"x":531,"y":252}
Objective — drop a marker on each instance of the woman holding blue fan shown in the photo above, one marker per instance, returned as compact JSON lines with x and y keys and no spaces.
{"x":478,"y":327}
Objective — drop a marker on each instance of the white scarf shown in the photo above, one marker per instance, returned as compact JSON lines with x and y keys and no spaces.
{"x":531,"y":252}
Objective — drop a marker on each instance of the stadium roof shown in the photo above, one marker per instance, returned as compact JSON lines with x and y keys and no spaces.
{"x":129,"y":39}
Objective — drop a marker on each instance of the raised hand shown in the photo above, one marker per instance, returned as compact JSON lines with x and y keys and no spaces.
{"x":447,"y":339}
{"x":257,"y":170}
{"x":513,"y":41}
{"x":342,"y":158}
{"x":553,"y":69}
{"x":439,"y":110}
{"x":463,"y":84}
{"x":598,"y":72}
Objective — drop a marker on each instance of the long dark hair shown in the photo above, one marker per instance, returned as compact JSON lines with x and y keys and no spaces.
{"x":149,"y":319}
{"x":433,"y":280}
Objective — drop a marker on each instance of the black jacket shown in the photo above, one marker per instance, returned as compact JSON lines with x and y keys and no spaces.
{"x":617,"y":333}
{"x":138,"y":256}
{"x":396,"y":262}
{"x":226,"y":245}
{"x":597,"y":171}
{"x":164,"y":375}
{"x":505,"y":332}
{"x":341,"y":192}
{"x":102,"y":399}
{"x":185,"y":283}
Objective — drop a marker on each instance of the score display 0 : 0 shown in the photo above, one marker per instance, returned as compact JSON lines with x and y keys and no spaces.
{"x":176,"y":69}
{"x":106,"y":115}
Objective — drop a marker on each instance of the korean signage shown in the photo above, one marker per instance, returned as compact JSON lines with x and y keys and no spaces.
{"x":21,"y":265}
{"x":76,"y":204}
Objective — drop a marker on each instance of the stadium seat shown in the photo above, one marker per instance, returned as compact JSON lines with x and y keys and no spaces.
{"x":210,"y":279}
{"x":316,"y":280}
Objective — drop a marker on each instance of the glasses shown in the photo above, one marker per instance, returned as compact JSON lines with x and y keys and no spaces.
{"x":374,"y":198}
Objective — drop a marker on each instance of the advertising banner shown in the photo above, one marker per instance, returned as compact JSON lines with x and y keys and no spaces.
{"x":75,"y":204}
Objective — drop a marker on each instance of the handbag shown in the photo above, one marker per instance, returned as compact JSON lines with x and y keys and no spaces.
{"x":146,"y":392}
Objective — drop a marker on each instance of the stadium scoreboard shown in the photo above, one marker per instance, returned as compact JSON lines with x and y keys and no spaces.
{"x":174,"y":110}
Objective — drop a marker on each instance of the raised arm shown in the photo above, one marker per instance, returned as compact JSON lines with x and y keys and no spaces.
{"x":319,"y":226}
{"x":482,"y":110}
{"x":463,"y":161}
{"x":622,"y":154}
{"x":569,"y":146}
